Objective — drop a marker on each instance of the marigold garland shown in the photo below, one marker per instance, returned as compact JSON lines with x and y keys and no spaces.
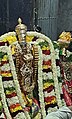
{"x":16,"y":82}
{"x":7,"y":50}
{"x":39,"y":35}
{"x":9,"y":37}
{"x":52,"y":57}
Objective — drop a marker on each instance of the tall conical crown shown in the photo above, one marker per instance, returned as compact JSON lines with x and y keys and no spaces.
{"x":21,"y":30}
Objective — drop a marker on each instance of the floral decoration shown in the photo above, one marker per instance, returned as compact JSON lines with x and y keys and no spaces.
{"x":40,"y":83}
{"x":11,"y":86}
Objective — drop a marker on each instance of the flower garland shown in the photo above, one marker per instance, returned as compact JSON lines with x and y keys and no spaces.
{"x":53,"y":62}
{"x":16,"y":81}
{"x":58,"y":54}
{"x":48,"y":83}
{"x":10,"y":93}
{"x":5,"y":48}
{"x":18,"y":46}
{"x":40,"y":83}
{"x":4,"y":100}
{"x":3,"y":38}
{"x":15,"y":77}
{"x":10,"y":37}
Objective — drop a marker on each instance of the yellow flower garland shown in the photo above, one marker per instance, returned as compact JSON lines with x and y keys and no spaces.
{"x":46,"y":85}
{"x":16,"y":109}
{"x":10,"y":37}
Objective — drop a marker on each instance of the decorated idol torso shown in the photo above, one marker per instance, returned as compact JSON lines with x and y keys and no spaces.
{"x":24,"y":60}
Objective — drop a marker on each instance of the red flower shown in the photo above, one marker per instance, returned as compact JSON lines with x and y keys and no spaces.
{"x":11,"y":95}
{"x":4,"y":43}
{"x":49,"y":89}
{"x":46,"y":52}
{"x":47,"y":62}
{"x":14,"y":106}
{"x":49,"y":98}
{"x":4,"y":62}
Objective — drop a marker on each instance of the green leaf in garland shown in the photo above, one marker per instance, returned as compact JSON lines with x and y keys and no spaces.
{"x":55,"y":44}
{"x":44,"y":44}
{"x":61,"y":52}
{"x":2,"y":54}
{"x":49,"y":81}
{"x":9,"y":89}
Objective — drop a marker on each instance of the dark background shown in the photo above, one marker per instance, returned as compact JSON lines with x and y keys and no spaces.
{"x":11,"y":10}
{"x":53,"y":16}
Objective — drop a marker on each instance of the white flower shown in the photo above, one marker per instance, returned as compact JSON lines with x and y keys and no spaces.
{"x":40,"y":83}
{"x":7,"y":34}
{"x":68,"y":53}
{"x":12,"y":100}
{"x":58,"y":71}
{"x":46,"y":94}
{"x":57,"y":53}
{"x":60,"y":86}
{"x":8,"y":84}
{"x":5,"y":67}
{"x":39,"y":40}
{"x":47,"y":76}
{"x":20,"y":115}
{"x":3,"y":49}
{"x":46,"y":57}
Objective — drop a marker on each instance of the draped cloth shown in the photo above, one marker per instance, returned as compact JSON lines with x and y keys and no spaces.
{"x":62,"y":113}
